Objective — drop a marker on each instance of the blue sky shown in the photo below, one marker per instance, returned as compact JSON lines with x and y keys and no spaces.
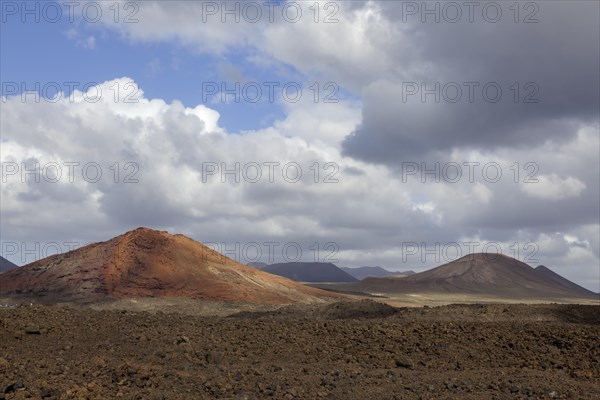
{"x":164,"y":70}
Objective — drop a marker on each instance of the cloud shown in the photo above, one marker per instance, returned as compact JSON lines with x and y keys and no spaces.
{"x":231,"y":73}
{"x":520,"y":83}
{"x":165,"y":146}
{"x":88,"y":42}
{"x":529,"y":83}
{"x":552,"y":187}
{"x":170,"y":144}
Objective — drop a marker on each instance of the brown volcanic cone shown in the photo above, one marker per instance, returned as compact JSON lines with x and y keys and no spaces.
{"x":149,"y":263}
{"x":484,"y":274}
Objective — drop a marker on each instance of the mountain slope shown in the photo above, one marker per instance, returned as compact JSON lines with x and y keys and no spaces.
{"x":484,"y":274}
{"x":149,"y":263}
{"x":550,"y":275}
{"x":257,"y":265}
{"x":310,"y":272}
{"x":6,"y":265}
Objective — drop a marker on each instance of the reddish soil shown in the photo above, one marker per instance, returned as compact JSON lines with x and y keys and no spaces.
{"x":149,"y":263}
{"x":360,"y":351}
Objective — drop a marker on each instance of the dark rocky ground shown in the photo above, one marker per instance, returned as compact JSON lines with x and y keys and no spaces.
{"x":341,"y":351}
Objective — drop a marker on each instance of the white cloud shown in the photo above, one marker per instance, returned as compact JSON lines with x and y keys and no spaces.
{"x":553,"y":187}
{"x":75,"y":35}
{"x":169,"y":143}
{"x":346,"y":49}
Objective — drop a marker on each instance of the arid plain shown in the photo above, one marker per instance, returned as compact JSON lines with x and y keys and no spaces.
{"x":149,"y":315}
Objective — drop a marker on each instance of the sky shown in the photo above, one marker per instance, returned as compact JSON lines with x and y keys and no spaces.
{"x":393,"y":133}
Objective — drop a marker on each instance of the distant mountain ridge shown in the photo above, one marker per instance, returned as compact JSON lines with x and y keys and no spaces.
{"x":6,"y":265}
{"x":484,"y":274}
{"x":310,"y":272}
{"x":361,"y":273}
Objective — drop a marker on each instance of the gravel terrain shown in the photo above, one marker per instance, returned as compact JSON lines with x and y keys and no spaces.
{"x":362,"y":350}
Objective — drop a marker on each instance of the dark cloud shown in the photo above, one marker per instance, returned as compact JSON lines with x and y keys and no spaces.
{"x":554,"y":61}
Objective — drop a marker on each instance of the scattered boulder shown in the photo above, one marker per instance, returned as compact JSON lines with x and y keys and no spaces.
{"x":33,"y":330}
{"x":404,"y":362}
